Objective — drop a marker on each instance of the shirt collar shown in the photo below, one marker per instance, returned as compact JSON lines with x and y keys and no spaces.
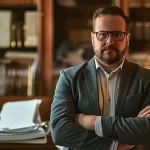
{"x":116,"y":70}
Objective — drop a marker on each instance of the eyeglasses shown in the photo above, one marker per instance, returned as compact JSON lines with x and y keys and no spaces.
{"x":117,"y":35}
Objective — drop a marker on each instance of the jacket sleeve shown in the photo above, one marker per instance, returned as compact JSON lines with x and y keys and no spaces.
{"x":133,"y":130}
{"x":64,"y":130}
{"x":130,"y":130}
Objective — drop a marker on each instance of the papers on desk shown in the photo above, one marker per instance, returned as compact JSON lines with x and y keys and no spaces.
{"x":20,"y":123}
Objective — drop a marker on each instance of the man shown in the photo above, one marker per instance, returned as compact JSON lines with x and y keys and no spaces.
{"x":103,"y":104}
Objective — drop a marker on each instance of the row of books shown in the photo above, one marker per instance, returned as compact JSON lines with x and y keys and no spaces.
{"x":141,"y":58}
{"x":17,"y":2}
{"x":15,"y":81}
{"x":21,"y":122}
{"x":140,"y":30}
{"x":139,"y":3}
{"x":19,"y":29}
{"x":18,"y":78}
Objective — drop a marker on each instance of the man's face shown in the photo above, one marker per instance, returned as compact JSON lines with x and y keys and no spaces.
{"x":110,"y":51}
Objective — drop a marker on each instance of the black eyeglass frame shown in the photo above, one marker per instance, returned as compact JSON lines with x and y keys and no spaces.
{"x":110,"y":32}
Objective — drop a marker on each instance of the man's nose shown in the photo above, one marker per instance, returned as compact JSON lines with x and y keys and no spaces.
{"x":110,"y":40}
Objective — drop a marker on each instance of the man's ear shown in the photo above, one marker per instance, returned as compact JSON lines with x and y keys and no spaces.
{"x":92,"y":37}
{"x":128,"y":39}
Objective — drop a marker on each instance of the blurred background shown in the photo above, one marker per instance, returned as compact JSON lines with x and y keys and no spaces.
{"x":39,"y":38}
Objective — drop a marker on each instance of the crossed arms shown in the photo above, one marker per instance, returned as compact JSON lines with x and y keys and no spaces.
{"x":88,"y":122}
{"x":67,"y":132}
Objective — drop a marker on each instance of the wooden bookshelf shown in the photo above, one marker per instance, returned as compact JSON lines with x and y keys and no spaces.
{"x":139,"y":47}
{"x":44,"y":50}
{"x":49,"y":37}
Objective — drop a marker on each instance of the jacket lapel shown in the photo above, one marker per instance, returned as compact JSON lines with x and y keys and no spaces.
{"x":126,"y":74}
{"x":92,"y":87}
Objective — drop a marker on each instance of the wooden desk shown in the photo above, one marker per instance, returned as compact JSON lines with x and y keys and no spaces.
{"x":48,"y":146}
{"x":45,"y":115}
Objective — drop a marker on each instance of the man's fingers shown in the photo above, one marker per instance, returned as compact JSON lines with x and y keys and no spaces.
{"x":79,"y":118}
{"x":144,"y":112}
{"x":124,"y":147}
{"x":148,"y":115}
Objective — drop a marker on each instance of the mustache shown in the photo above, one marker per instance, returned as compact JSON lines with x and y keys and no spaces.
{"x":109,"y":47}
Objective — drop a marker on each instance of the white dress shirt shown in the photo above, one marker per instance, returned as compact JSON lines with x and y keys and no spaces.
{"x":108,"y":86}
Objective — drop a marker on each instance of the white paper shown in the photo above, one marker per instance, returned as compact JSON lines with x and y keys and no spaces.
{"x":19,"y":114}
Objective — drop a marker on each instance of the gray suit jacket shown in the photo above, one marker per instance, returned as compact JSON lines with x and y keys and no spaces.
{"x":77,"y":92}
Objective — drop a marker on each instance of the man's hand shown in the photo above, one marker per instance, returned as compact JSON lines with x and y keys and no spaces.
{"x":145,"y":112}
{"x":86,"y":121}
{"x":124,"y":147}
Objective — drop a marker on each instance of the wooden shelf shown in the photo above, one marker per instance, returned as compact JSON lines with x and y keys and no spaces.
{"x":18,"y":4}
{"x":139,"y":14}
{"x":18,"y":7}
{"x":25,"y":49}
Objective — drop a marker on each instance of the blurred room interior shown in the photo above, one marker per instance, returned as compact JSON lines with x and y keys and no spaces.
{"x":41,"y":38}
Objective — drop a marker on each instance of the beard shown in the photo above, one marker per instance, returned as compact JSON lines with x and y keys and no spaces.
{"x":111,"y":55}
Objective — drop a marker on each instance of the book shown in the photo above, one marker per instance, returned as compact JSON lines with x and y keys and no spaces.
{"x":41,"y":140}
{"x":32,"y":78}
{"x":17,"y":2}
{"x":16,"y":78}
{"x":146,"y":3}
{"x":20,"y":123}
{"x":19,"y":77}
{"x":147,"y":30}
{"x":30,"y":29}
{"x":5,"y":25}
{"x":2,"y":79}
{"x":139,"y":28}
{"x":17,"y":32}
{"x":135,"y":3}
{"x":21,"y":136}
{"x":22,"y":55}
{"x":8,"y":136}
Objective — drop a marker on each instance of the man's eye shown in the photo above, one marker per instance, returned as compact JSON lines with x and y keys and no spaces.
{"x":117,"y":34}
{"x":102,"y":34}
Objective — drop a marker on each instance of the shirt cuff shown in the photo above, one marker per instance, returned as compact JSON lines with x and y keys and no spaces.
{"x":114,"y":145}
{"x":98,"y":126}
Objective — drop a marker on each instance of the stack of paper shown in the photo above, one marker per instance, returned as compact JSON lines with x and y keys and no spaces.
{"x":20,"y":123}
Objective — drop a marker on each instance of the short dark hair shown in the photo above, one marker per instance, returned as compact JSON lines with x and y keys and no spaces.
{"x":111,"y":10}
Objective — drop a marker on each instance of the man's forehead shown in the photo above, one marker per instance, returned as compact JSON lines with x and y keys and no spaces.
{"x":110,"y":21}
